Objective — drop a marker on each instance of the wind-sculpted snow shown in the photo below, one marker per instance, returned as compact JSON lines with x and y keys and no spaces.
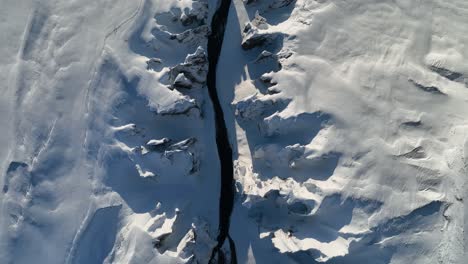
{"x":354,"y":152}
{"x":160,"y":156}
{"x":347,"y":122}
{"x":86,"y":182}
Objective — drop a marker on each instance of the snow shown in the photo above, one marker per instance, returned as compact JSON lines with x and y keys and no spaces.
{"x":286,"y":243}
{"x":182,"y":81}
{"x":157,"y":142}
{"x":80,"y":103}
{"x":368,"y":119}
{"x":348,"y":122}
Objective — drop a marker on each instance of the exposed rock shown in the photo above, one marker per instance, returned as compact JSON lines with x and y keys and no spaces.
{"x":256,"y":106}
{"x":264,"y":56}
{"x":199,"y":57}
{"x":180,"y":106}
{"x":194,"y":69}
{"x":412,"y":123}
{"x":285,"y":54}
{"x":429,"y":89}
{"x":157,"y":144}
{"x":187,"y":147}
{"x":416,"y":153}
{"x":172,"y":153}
{"x":183,"y":145}
{"x":181,"y":81}
{"x":267,"y":79}
{"x":259,"y":21}
{"x":253,"y":38}
{"x":451,"y":75}
{"x":160,"y":227}
{"x":154,"y":64}
{"x":276,"y":124}
{"x":197,"y":244}
{"x":285,"y":204}
{"x":185,"y":19}
{"x":197,"y":14}
{"x":269,"y":60}
{"x":190,"y":35}
{"x":276,"y":156}
{"x":15,"y":169}
{"x":254,"y":33}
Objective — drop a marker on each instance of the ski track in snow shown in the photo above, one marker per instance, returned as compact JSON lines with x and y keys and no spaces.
{"x":40,"y":69}
{"x":91,"y":214}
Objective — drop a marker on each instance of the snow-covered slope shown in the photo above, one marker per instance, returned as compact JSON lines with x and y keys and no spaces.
{"x":348,"y":123}
{"x":350,"y":120}
{"x":102,"y":161}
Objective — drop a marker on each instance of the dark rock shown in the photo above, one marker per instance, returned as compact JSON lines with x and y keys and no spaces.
{"x":451,"y":75}
{"x":182,"y":82}
{"x":158,"y":144}
{"x":412,"y":123}
{"x":253,"y":35}
{"x":197,"y":14}
{"x":416,"y":153}
{"x":154,"y":64}
{"x":181,"y":106}
{"x":183,"y":145}
{"x":254,"y":38}
{"x":254,"y":107}
{"x":190,"y":35}
{"x":194,"y":69}
{"x":429,"y":89}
